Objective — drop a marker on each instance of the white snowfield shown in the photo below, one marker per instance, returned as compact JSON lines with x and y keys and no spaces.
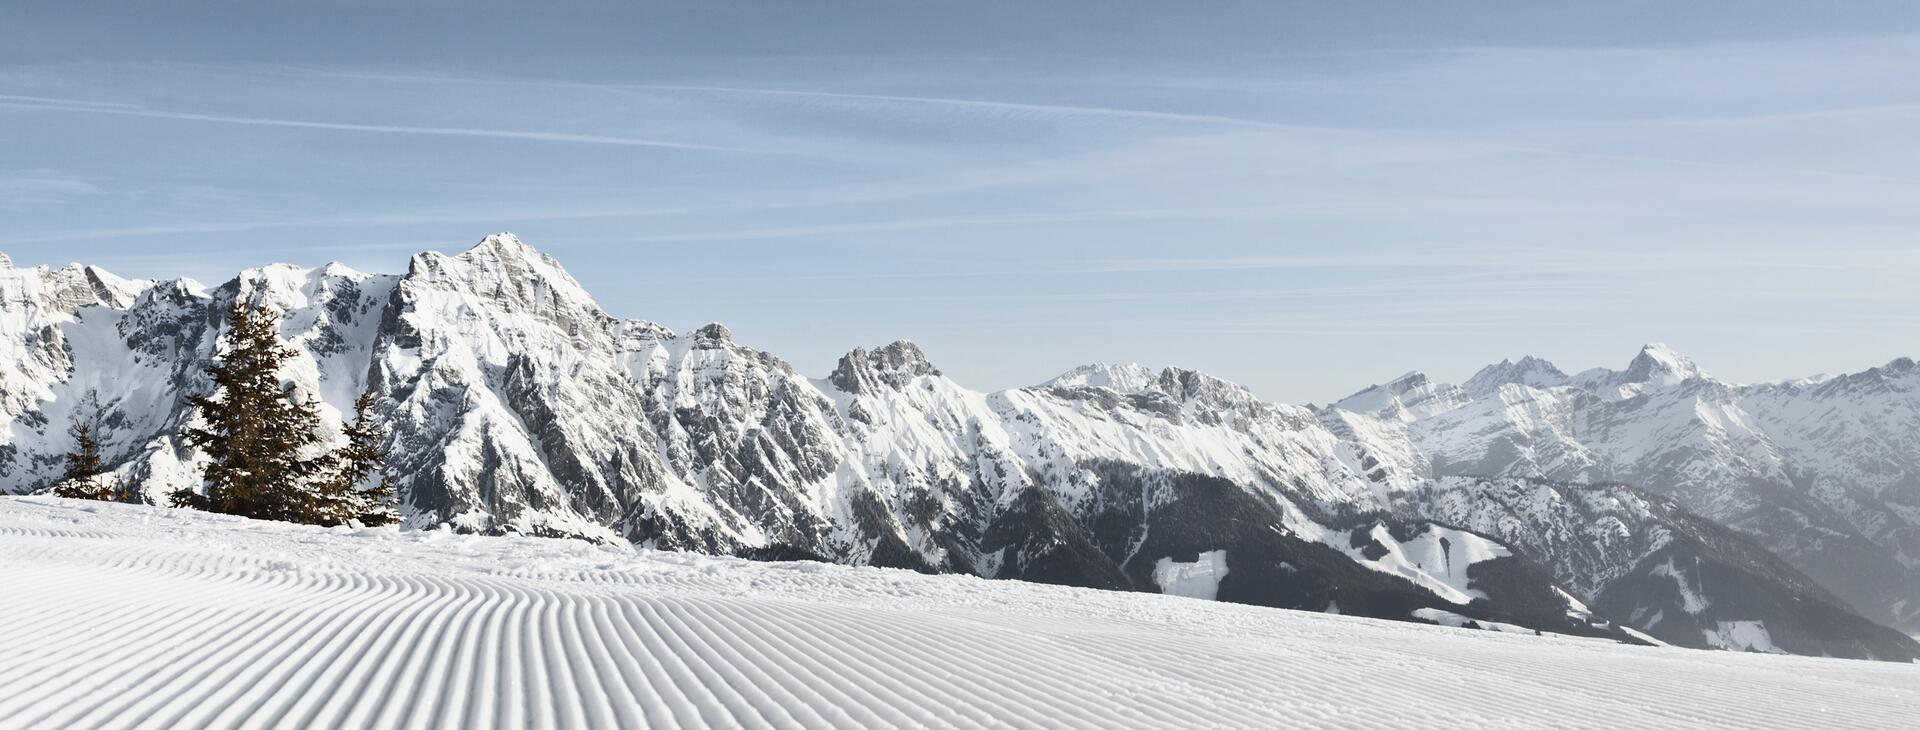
{"x":126,"y":616}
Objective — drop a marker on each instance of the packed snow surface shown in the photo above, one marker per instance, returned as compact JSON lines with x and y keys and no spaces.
{"x":141,"y":616}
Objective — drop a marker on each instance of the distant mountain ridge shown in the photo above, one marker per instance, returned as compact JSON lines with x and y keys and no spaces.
{"x":1824,"y":472}
{"x":516,"y":404}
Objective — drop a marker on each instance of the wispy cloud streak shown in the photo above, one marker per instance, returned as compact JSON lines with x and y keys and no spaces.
{"x":462,"y":215}
{"x":1057,"y":109}
{"x":126,"y":110}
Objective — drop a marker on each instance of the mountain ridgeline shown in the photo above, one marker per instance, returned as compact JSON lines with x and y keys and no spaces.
{"x":1654,"y":504}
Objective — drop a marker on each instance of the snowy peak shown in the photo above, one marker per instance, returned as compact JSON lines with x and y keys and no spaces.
{"x":1529,"y":371}
{"x":286,"y":286}
{"x":1198,"y":387}
{"x":902,"y":359}
{"x":1658,"y":364}
{"x":1406,"y":398}
{"x":1894,"y":369}
{"x":1178,"y":384}
{"x":892,"y":366}
{"x":504,"y":247}
{"x":500,"y":266}
{"x":712,"y":336}
{"x":1122,"y":378}
{"x":66,"y":289}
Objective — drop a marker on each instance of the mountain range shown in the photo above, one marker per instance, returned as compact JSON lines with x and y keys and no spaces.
{"x":1654,"y":504}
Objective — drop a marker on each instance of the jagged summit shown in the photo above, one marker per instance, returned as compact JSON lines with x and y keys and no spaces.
{"x":712,"y":334}
{"x":1656,"y":366}
{"x":1659,"y":364}
{"x":504,"y":250}
{"x":1405,"y":398}
{"x":501,"y":267}
{"x":1529,"y":371}
{"x":903,"y":356}
{"x":502,"y":245}
{"x":1900,"y":374}
{"x":1173,"y":382}
{"x":892,"y":365}
{"x":1414,"y":395}
{"x":1196,"y":386}
{"x":66,"y":289}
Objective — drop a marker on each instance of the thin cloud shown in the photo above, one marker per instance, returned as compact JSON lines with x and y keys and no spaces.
{"x":1069,"y":110}
{"x":64,"y":102}
{"x":911,"y":224}
{"x":1054,"y":109}
{"x":964,"y":221}
{"x":1842,"y":112}
{"x":1271,"y":126}
{"x":1447,"y":142}
{"x":41,"y":187}
{"x":117,"y":109}
{"x":395,"y":218}
{"x":1058,"y":109}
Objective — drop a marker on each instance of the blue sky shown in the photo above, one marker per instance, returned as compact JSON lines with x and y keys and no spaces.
{"x":1302,"y":197}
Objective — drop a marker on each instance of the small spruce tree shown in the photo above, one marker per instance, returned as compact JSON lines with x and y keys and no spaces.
{"x":339,"y":498}
{"x":258,"y":434}
{"x":83,"y":478}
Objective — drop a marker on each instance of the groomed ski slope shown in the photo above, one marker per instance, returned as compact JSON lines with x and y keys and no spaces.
{"x":125,"y":616}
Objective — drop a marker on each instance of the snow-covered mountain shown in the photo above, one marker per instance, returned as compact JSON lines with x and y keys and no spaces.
{"x":1824,"y":472}
{"x":518,"y":405}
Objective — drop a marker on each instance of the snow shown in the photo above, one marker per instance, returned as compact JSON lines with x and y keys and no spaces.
{"x":1199,"y":579}
{"x":1659,"y":365}
{"x":129,"y":616}
{"x":1437,"y":559}
{"x":1742,"y":636}
{"x":1409,"y":397}
{"x":1690,"y":599}
{"x":1122,"y":378}
{"x":517,"y":404}
{"x":1449,"y":618}
{"x":1810,"y":468}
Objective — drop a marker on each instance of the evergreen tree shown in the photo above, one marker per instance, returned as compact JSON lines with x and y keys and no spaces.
{"x":83,"y":478}
{"x":258,"y":433}
{"x":339,"y":498}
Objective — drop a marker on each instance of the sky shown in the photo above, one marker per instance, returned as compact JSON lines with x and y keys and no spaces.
{"x":1304,"y":198}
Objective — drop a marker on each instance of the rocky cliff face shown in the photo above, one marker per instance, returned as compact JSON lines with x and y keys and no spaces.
{"x":516,"y":404}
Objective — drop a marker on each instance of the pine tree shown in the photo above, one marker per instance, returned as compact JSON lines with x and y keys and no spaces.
{"x":82,"y":479}
{"x":339,"y":498}
{"x":257,"y":432}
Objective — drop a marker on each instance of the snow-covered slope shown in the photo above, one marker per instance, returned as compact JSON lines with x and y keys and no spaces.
{"x":1825,"y":472}
{"x":518,"y":405}
{"x":148,"y":617}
